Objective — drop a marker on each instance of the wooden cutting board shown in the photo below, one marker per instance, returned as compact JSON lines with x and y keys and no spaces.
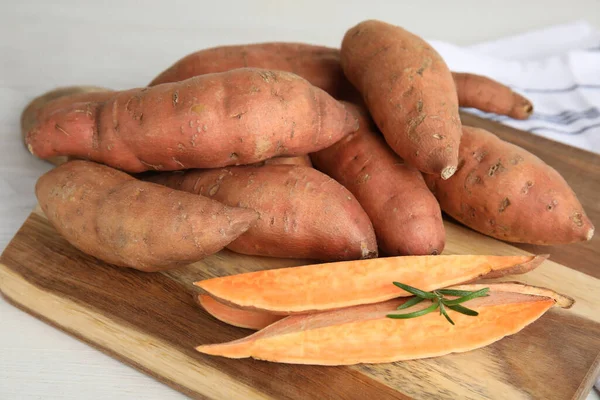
{"x":150,"y":320}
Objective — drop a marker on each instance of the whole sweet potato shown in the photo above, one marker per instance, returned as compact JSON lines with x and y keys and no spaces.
{"x":321,"y":66}
{"x":317,"y":64}
{"x":406,"y":217}
{"x":238,"y":117}
{"x":505,"y":192}
{"x":488,"y":95}
{"x":409,"y":91}
{"x":118,"y":219}
{"x":303,"y":212}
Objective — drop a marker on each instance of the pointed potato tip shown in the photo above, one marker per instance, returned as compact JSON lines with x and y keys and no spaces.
{"x":448,"y":172}
{"x":590,"y":234}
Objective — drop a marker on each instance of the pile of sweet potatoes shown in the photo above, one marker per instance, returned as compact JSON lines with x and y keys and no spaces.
{"x":216,"y":152}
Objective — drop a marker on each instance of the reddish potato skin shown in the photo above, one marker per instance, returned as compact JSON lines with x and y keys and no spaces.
{"x":120,"y":220}
{"x":317,"y":64}
{"x":238,"y":117}
{"x":488,"y":95}
{"x":303,"y":213}
{"x":409,"y":91}
{"x":43,"y":106}
{"x":504,"y":191}
{"x":406,"y":217}
{"x":303,"y":161}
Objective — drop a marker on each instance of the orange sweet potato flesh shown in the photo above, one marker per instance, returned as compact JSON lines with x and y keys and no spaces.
{"x":503,"y":191}
{"x":409,"y":91}
{"x":343,"y":284}
{"x":406,"y":217}
{"x":318,"y":64}
{"x":489,"y":95}
{"x":261,"y":319}
{"x":364,"y":334}
{"x":235,"y":316}
{"x":303,"y":212}
{"x":238,"y":117}
{"x":118,"y":219}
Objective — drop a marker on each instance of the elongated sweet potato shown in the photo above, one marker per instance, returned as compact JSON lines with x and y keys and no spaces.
{"x":364,"y":334}
{"x":258,"y":320}
{"x":504,"y":191}
{"x":321,"y":66}
{"x":237,"y":117}
{"x":303,"y":212}
{"x":318,"y":64}
{"x":42,"y":106}
{"x":235,"y":316}
{"x":343,"y":284}
{"x":118,"y":219}
{"x":406,"y":217}
{"x":489,"y":95}
{"x":409,"y":91}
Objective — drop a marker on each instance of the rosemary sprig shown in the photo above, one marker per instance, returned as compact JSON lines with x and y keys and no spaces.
{"x":438,"y":301}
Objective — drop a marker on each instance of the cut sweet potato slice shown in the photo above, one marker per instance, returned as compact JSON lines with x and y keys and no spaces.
{"x":561,"y":300}
{"x":364,"y":334}
{"x":235,"y":316}
{"x":343,"y":284}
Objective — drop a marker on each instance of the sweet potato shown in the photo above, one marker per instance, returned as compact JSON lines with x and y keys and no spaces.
{"x":303,"y":213}
{"x":504,"y":191}
{"x":54,"y":100}
{"x":321,"y":66}
{"x":406,"y":217}
{"x":364,"y":334}
{"x":237,"y":117}
{"x":118,"y":219}
{"x":488,"y":95}
{"x":343,"y":284}
{"x":258,"y":320}
{"x":409,"y":91}
{"x":236,"y":316}
{"x":318,"y":64}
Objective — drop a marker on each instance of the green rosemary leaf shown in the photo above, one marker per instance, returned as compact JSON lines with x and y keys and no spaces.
{"x":471,"y":296}
{"x":453,"y":292}
{"x":445,"y":314}
{"x":463,"y":310}
{"x":410,"y":303}
{"x":415,"y":314}
{"x":415,"y":291}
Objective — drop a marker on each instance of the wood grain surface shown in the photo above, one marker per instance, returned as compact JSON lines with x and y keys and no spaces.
{"x":150,"y":320}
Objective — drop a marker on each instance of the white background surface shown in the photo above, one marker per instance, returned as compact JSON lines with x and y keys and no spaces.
{"x":122,"y":44}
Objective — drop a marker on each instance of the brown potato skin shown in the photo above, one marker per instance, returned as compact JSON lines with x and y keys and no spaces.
{"x":303,"y":212}
{"x":504,"y":191}
{"x":238,"y":117}
{"x":129,"y":223}
{"x":317,"y":64}
{"x":491,"y":96}
{"x":406,"y":217}
{"x":409,"y":91}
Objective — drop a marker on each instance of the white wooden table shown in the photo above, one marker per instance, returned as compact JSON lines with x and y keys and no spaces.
{"x":122,"y":44}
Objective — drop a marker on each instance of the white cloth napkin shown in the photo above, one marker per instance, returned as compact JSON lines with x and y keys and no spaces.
{"x":557,"y":68}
